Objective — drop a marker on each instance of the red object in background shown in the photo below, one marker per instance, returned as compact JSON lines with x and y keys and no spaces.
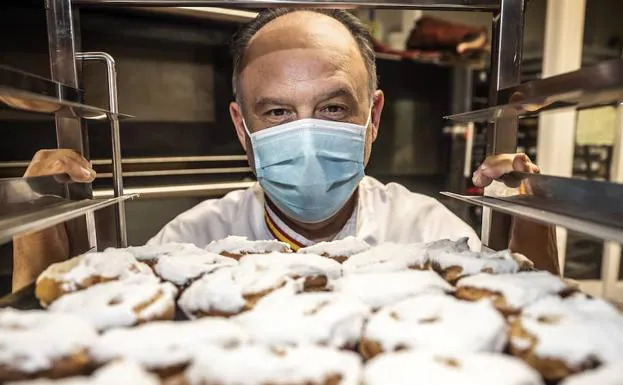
{"x":473,"y":190}
{"x":431,"y":34}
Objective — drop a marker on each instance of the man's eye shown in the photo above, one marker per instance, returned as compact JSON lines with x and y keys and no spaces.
{"x":276,"y":112}
{"x":333,"y":109}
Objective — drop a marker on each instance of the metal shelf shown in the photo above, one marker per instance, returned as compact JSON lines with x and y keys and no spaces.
{"x":507,"y":206}
{"x":594,"y":86}
{"x":31,"y":204}
{"x":448,"y":5}
{"x":586,"y":206}
{"x":56,"y":211}
{"x":25,"y":91}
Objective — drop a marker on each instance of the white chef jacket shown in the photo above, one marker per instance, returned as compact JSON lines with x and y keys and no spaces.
{"x":384,"y":213}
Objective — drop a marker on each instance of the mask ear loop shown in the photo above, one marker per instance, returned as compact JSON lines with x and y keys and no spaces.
{"x":368,"y":121}
{"x":244,"y":124}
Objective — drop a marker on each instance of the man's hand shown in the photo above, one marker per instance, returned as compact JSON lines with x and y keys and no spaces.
{"x":534,"y":240}
{"x":32,"y":253}
{"x":495,"y":166}
{"x":61,"y":161}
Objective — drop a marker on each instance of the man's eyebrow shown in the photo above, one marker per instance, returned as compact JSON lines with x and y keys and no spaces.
{"x":268,"y":101}
{"x":344,"y":92}
{"x":276,"y":101}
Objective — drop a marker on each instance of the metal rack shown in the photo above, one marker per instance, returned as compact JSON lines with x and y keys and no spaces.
{"x":599,"y":85}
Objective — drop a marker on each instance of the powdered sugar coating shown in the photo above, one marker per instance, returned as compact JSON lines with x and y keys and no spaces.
{"x":261,"y":365}
{"x":153,"y":252}
{"x":110,"y":264}
{"x":611,"y":374}
{"x":158,"y":345}
{"x":115,"y":373}
{"x":33,"y":340}
{"x":298,"y":265}
{"x":328,"y":319}
{"x":242,"y":245}
{"x":438,"y":323}
{"x":119,"y":303}
{"x":182,"y":267}
{"x":475,"y":262}
{"x":427,"y":368}
{"x":340,"y":248}
{"x":387,"y":257}
{"x":447,"y":245}
{"x":382,"y":289}
{"x":224,"y":291}
{"x":573,"y":330}
{"x":520,"y":289}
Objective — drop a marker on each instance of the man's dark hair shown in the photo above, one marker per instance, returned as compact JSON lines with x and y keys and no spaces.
{"x":358,"y":30}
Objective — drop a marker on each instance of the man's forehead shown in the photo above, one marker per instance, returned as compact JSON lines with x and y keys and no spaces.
{"x":301,"y":30}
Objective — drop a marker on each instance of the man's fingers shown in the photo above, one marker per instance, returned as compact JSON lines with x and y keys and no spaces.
{"x":479,"y":180}
{"x":61,"y":161}
{"x":496,"y":166}
{"x":78,"y":173}
{"x":75,"y":170}
{"x":76,"y":158}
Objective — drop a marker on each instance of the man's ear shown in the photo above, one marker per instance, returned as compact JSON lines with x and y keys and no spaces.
{"x":378,"y":101}
{"x":235,"y":111}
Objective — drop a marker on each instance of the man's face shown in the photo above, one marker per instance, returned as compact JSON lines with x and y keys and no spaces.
{"x":304,"y":65}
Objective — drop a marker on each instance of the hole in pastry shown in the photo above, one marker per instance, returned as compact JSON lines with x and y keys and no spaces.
{"x":316,"y":308}
{"x":394,"y":315}
{"x":315,"y":282}
{"x":400,"y":347}
{"x":429,"y":320}
{"x":333,"y":379}
{"x":338,"y":258}
{"x":278,"y":351}
{"x":591,"y":362}
{"x":114,"y":301}
{"x":488,"y":270}
{"x":548,"y":319}
{"x":448,"y":361}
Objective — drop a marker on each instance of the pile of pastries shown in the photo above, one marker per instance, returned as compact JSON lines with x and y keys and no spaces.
{"x":336,"y":313}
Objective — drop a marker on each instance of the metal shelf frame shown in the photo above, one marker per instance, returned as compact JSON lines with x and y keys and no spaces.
{"x":32,"y":204}
{"x":594,"y":86}
{"x":446,"y":5}
{"x":25,"y":91}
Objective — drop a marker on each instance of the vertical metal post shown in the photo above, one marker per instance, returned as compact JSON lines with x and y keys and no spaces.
{"x":70,"y":132}
{"x":117,"y":172}
{"x":611,"y":263}
{"x":562,"y":52}
{"x":506,"y":53}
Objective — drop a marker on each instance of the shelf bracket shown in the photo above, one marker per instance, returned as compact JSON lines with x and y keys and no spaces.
{"x":117,"y":172}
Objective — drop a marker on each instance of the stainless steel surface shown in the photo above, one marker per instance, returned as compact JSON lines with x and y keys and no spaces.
{"x":29,"y":92}
{"x":207,"y":13}
{"x":113,"y":105}
{"x":21,"y":191}
{"x":191,"y":171}
{"x":71,"y":133}
{"x":506,"y":47}
{"x":192,"y":190}
{"x":51,"y":213}
{"x":588,"y":87}
{"x":450,"y":5}
{"x":543,"y":216}
{"x":166,"y":159}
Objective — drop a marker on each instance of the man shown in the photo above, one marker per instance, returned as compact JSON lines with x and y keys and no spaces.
{"x":307,"y":111}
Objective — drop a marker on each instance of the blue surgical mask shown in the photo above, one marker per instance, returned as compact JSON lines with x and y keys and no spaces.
{"x":309,"y":167}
